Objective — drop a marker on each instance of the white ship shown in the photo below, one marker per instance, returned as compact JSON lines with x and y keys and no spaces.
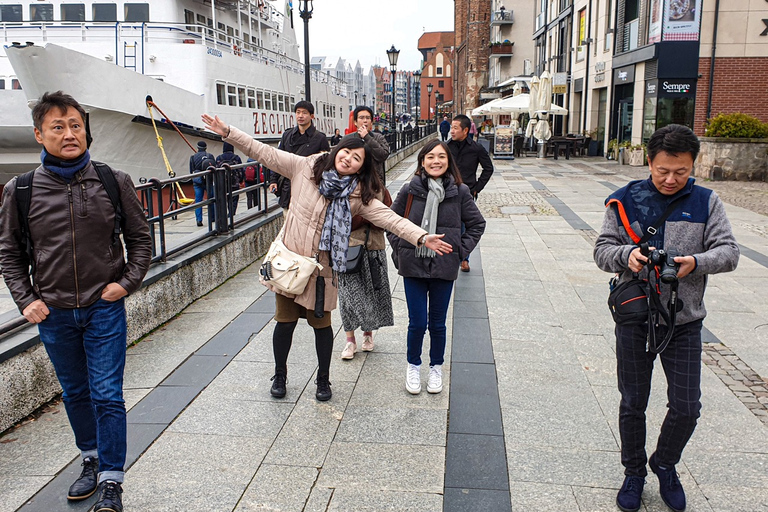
{"x":236,"y":59}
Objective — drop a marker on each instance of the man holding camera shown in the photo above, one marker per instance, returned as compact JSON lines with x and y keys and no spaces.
{"x":697,"y":235}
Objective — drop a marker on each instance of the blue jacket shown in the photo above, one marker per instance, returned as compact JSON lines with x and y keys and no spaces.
{"x":697,"y":227}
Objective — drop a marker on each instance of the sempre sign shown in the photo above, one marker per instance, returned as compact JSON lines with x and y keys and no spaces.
{"x":673,"y":87}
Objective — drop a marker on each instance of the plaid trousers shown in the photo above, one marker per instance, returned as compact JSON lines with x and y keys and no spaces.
{"x":682,"y":366}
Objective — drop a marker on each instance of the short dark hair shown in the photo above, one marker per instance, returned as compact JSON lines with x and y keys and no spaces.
{"x":306,"y":106}
{"x":51,"y":100}
{"x":360,"y":109}
{"x":673,"y":139}
{"x":464,"y":121}
{"x":369,"y":181}
{"x":453,"y":169}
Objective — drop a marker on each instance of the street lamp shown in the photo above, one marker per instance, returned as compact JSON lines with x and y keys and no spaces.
{"x":429,"y":97}
{"x":437,"y":98}
{"x":305,"y":11}
{"x":355,"y":98}
{"x":417,"y":75}
{"x":364,"y":101}
{"x":392,"y":55}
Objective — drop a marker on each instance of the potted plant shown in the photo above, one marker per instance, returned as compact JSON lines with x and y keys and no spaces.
{"x":592,"y":147}
{"x":613,"y":150}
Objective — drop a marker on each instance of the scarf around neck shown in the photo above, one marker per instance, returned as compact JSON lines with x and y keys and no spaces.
{"x":429,"y":220}
{"x":337,"y":226}
{"x":65,"y":168}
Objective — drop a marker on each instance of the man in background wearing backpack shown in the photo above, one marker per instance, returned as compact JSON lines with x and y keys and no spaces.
{"x":199,"y":162}
{"x":236,"y":178}
{"x":63,"y":220}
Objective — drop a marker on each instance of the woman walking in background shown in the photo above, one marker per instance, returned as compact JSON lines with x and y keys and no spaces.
{"x":438,"y":201}
{"x":327,"y":189}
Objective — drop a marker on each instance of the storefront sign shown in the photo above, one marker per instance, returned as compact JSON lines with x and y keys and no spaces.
{"x":581,"y":50}
{"x":676,"y":87}
{"x":650,"y":88}
{"x":560,"y":83}
{"x":625,"y":75}
{"x":654,"y":28}
{"x":682,"y":20}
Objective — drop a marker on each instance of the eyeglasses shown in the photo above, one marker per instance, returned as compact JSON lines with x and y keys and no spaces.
{"x":364,"y":118}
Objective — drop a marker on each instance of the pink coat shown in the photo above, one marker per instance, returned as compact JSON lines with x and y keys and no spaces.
{"x":304,"y":221}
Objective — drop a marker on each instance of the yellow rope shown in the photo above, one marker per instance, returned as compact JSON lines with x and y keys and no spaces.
{"x":184,"y":199}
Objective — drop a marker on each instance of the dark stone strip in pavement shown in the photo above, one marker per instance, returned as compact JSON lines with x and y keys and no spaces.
{"x":560,"y":207}
{"x":476,"y":476}
{"x":148,"y":419}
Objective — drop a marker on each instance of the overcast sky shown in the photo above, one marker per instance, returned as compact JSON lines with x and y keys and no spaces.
{"x":365,"y":29}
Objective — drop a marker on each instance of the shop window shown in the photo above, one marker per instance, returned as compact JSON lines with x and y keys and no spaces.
{"x":136,"y":12}
{"x":104,"y":12}
{"x":72,"y":12}
{"x":232,"y":95}
{"x":221,"y":96}
{"x":10,"y":13}
{"x":41,"y":12}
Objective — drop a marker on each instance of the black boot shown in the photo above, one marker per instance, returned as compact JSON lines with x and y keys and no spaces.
{"x":86,"y":483}
{"x":278,"y":383}
{"x":110,"y":497}
{"x":323,"y":388}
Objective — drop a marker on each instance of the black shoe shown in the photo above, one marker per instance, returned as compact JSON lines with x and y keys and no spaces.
{"x":278,"y":384}
{"x":630,"y":493}
{"x":199,"y":223}
{"x":670,"y":488}
{"x":110,"y":497}
{"x":86,"y":483}
{"x":324,"y":392}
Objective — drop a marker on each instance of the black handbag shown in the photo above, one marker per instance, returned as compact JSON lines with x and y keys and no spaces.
{"x":355,"y":255}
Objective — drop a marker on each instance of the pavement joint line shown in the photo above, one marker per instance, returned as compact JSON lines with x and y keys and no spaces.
{"x":52,"y":496}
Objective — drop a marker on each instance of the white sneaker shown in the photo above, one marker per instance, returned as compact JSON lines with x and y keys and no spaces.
{"x":435,"y":382}
{"x":367,"y":342}
{"x":413,"y":379}
{"x":349,"y":350}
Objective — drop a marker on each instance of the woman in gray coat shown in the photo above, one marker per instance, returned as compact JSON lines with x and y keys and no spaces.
{"x":437,"y":200}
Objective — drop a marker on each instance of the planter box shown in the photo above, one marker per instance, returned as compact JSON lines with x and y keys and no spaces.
{"x":732,"y":159}
{"x":636,"y":158}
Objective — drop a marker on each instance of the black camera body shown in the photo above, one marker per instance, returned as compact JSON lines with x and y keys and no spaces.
{"x":665,"y":262}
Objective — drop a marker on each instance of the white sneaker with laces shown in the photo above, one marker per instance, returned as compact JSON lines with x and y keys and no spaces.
{"x":435,"y":382}
{"x":413,"y":379}
{"x":349,"y":350}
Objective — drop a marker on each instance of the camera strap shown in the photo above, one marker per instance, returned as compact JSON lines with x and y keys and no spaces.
{"x":656,"y":310}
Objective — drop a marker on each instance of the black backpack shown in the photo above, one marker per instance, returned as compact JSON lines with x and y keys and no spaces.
{"x":23,"y":195}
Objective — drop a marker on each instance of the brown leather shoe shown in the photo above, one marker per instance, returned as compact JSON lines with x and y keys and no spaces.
{"x":465,"y":266}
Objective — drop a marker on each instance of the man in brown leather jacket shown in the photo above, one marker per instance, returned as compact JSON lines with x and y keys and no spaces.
{"x":76,"y":293}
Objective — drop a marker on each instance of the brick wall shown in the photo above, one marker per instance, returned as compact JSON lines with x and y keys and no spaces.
{"x":739,"y":86}
{"x":472,"y":28}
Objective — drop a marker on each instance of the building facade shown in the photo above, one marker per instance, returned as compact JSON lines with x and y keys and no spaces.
{"x":438,"y":71}
{"x":472,"y":20}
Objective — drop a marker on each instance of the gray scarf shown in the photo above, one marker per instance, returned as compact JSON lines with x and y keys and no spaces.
{"x":334,"y":236}
{"x":429,"y":220}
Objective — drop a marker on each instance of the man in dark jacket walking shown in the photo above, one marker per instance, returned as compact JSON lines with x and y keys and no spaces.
{"x":78,"y":284}
{"x":468,"y":154}
{"x":199,"y":162}
{"x":445,"y":128}
{"x":304,"y":140}
{"x":236,"y":178}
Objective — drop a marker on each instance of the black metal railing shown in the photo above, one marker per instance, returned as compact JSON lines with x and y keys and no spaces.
{"x":404,"y":138}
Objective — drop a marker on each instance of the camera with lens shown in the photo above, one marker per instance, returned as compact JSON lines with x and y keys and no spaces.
{"x":665,"y":262}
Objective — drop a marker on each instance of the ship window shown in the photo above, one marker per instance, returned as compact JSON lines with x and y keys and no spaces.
{"x":220,"y":34}
{"x":72,"y":12}
{"x":251,"y":98}
{"x":259,"y":100}
{"x":280,"y":107}
{"x":136,"y":12}
{"x":221,"y":97}
{"x":293,"y":101}
{"x":189,"y":19}
{"x":104,"y":12}
{"x":267,"y":100}
{"x":15,"y":84}
{"x":232,"y":95}
{"x":2,"y":84}
{"x":241,"y":96}
{"x":42,"y":12}
{"x":10,"y":13}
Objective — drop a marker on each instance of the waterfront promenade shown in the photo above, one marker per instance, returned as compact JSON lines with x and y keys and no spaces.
{"x":527,"y":419}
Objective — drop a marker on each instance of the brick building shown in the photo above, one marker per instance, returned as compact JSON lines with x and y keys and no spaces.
{"x":472,"y":19}
{"x":437,"y":51}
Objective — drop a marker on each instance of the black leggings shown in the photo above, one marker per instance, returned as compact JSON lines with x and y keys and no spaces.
{"x":282,"y":338}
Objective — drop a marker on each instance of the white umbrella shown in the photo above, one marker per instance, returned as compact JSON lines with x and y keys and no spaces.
{"x":543,"y":131}
{"x":532,"y":105}
{"x":486,"y":108}
{"x":516,"y":90}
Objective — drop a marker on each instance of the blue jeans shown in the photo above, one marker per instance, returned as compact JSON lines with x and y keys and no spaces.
{"x":427,"y":301}
{"x":199,"y":196}
{"x":87,"y":349}
{"x":682,"y":366}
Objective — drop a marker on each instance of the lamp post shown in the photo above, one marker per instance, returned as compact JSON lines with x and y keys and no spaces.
{"x":392,"y":55}
{"x":355,"y":98}
{"x":437,"y":98}
{"x":429,"y":98}
{"x":364,"y":101}
{"x":305,"y":11}
{"x":417,"y":75}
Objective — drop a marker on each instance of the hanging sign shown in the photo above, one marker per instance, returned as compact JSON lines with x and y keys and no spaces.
{"x":682,"y":20}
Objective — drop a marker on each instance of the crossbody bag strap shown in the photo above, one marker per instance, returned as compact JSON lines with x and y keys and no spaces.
{"x":408,"y":205}
{"x":653,"y":229}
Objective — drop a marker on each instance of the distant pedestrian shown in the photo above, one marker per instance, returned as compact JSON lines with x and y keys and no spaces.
{"x":336,"y":137}
{"x":436,"y":199}
{"x":468,"y":154}
{"x":236,"y":177}
{"x":303,"y":140}
{"x":63,"y":221}
{"x":328,"y":190}
{"x":472,"y":130}
{"x":365,"y":300}
{"x":254,"y":174}
{"x":697,"y":234}
{"x":200,"y":162}
{"x":445,"y":128}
